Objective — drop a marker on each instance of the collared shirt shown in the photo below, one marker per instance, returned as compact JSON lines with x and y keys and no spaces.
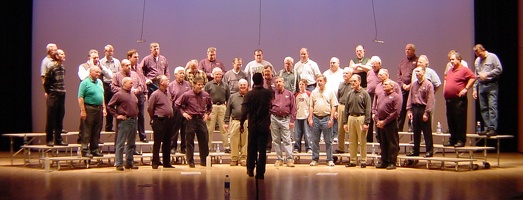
{"x":54,"y":79}
{"x":379,"y":93}
{"x":358,"y":102}
{"x":372,"y":81}
{"x":141,"y":76}
{"x":284,"y":104}
{"x":160,"y":104}
{"x":405,"y":69}
{"x":194,"y":103}
{"x":190,"y":75}
{"x":207,"y":66}
{"x":343,"y":90}
{"x":489,"y":64}
{"x":421,"y":94}
{"x":91,"y":91}
{"x":153,"y":67}
{"x":334,"y":79}
{"x":231,"y":78}
{"x":138,"y":85}
{"x":389,"y":107}
{"x":430,"y":75}
{"x":456,"y":80}
{"x":291,"y":80}
{"x":302,"y":104}
{"x":113,"y":65}
{"x":47,"y":62}
{"x":256,"y":105}
{"x":234,"y":107}
{"x":176,"y":89}
{"x":83,"y":71}
{"x":123,"y":103}
{"x":322,"y":101}
{"x":363,"y":75}
{"x":307,"y":70}
{"x":219,"y":92}
{"x":254,"y":67}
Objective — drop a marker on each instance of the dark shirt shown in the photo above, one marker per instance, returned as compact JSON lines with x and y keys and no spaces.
{"x":421,"y":94}
{"x":456,"y":80}
{"x":380,"y":93}
{"x":389,"y":107}
{"x":219,"y":92}
{"x":207,"y":66}
{"x":123,"y":103}
{"x":234,"y":107}
{"x":194,"y":103}
{"x":284,"y":104}
{"x":176,"y":89}
{"x":405,"y":70}
{"x":363,"y":75}
{"x":152,"y":68}
{"x":256,"y":107}
{"x":160,"y":104}
{"x":358,"y":103}
{"x":343,"y":90}
{"x":54,"y":79}
{"x":116,"y":85}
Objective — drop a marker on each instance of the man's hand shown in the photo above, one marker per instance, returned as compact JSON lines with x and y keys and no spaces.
{"x":345,"y":127}
{"x":187,"y":116}
{"x":425,"y":117}
{"x":475,"y":94}
{"x":409,"y":115}
{"x":241,"y":129}
{"x":83,"y":114}
{"x":291,"y":125}
{"x":364,"y":127}
{"x":226,"y":127}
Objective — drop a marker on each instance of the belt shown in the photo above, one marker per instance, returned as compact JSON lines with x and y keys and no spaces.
{"x":132,"y":117}
{"x":162,"y":116}
{"x":280,"y":116}
{"x":217,"y":103}
{"x":235,"y":118}
{"x":92,"y":105}
{"x":321,"y":117}
{"x":197,"y":116}
{"x":418,"y":105}
{"x":356,"y":115}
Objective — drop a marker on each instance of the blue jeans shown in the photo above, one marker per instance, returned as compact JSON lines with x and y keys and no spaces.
{"x":302,"y":129}
{"x":488,"y":104}
{"x":126,"y":133}
{"x":321,"y":125}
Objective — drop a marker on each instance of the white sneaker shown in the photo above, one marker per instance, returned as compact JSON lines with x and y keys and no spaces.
{"x":314,"y":163}
{"x":330,"y":164}
{"x":335,"y":140}
{"x":278,"y":163}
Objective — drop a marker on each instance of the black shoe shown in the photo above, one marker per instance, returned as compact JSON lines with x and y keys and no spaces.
{"x":449,"y":144}
{"x":483,"y":132}
{"x":412,"y":154}
{"x":109,"y":130}
{"x":381,"y":166}
{"x":100,"y":142}
{"x":350,"y":165}
{"x":491,"y":133}
{"x":87,"y":154}
{"x":50,"y":144}
{"x":429,"y":154}
{"x":251,"y":174}
{"x":391,"y":166}
{"x":97,"y":154}
{"x":60,"y":143}
{"x":183,"y":151}
{"x":459,"y":144}
{"x":363,"y":165}
{"x":168,"y":166}
{"x":131,"y":167}
{"x":339,"y":151}
{"x":144,"y":140}
{"x":64,"y":131}
{"x":136,"y":153}
{"x":79,"y":141}
{"x":227,"y":150}
{"x":260,"y":176}
{"x":119,"y":168}
{"x":203,"y":164}
{"x":191,"y":165}
{"x":155,"y":166}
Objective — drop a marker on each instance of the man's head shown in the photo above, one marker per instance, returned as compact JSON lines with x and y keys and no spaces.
{"x":93,"y":57}
{"x":258,"y":55}
{"x":423,"y":61}
{"x":267,"y":72}
{"x":237,"y":64}
{"x":420,"y":73}
{"x":288,"y":63}
{"x":347,"y":74}
{"x":355,"y":81}
{"x":480,"y":51}
{"x":257,"y":79}
{"x":376,"y":63}
{"x":94,"y":72}
{"x":243,"y":85}
{"x":217,"y":74}
{"x":51,"y":49}
{"x":455,"y":59}
{"x":388,"y":86}
{"x":132,"y":55}
{"x":197,"y":84}
{"x":304,"y":54}
{"x":155,"y":49}
{"x":410,"y":50}
{"x":334,"y":64}
{"x":280,"y":83}
{"x":163,"y":82}
{"x":321,"y":80}
{"x":127,"y":83}
{"x":192,"y":64}
{"x":383,"y":74}
{"x":303,"y":84}
{"x":360,"y":51}
{"x":109,"y":51}
{"x":126,"y":66}
{"x":211,"y":54}
{"x":179,"y":73}
{"x":59,"y":55}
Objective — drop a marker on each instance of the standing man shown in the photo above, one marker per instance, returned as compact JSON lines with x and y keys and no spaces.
{"x":92,"y":111}
{"x":196,"y":106}
{"x":430,"y":74}
{"x":268,"y":83}
{"x":372,"y":82}
{"x":361,"y":65}
{"x":208,"y":64}
{"x":307,"y":69}
{"x":152,"y":66}
{"x":290,"y":77}
{"x":176,"y":89}
{"x":323,"y":104}
{"x":257,"y":65}
{"x":283,"y":115}
{"x":161,"y":113}
{"x":232,"y":124}
{"x":114,"y":66}
{"x":54,"y":87}
{"x":234,"y":75}
{"x":132,"y":55}
{"x":256,"y":107}
{"x":405,"y":68}
{"x":358,"y":111}
{"x":419,"y":109}
{"x":124,"y":107}
{"x":488,"y":69}
{"x":219,"y":93}
{"x":47,"y":61}
{"x":388,"y":109}
{"x":458,"y":81}
{"x":343,"y":90}
{"x":335,"y":76}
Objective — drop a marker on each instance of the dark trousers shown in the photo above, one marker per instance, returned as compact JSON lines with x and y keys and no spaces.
{"x":162,"y":137}
{"x":179,"y":130}
{"x":403,"y":113}
{"x":92,"y":127}
{"x":55,"y":116}
{"x":418,"y":125}
{"x":389,"y":142}
{"x":108,"y":94}
{"x":141,"y":116}
{"x":197,"y":126}
{"x":256,"y":155}
{"x":457,"y":119}
{"x":370,"y":131}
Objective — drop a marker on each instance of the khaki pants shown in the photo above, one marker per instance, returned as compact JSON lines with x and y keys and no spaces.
{"x":217,"y":115}
{"x":238,"y":140}
{"x":356,"y":134}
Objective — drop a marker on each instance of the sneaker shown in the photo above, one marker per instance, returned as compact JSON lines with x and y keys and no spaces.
{"x":295,"y":151}
{"x":309,"y":151}
{"x":335,"y":140}
{"x":243,"y":163}
{"x":234,"y":163}
{"x":330,"y":164}
{"x":290,"y":163}
{"x":227,"y":150}
{"x":314,"y":163}
{"x":278,"y":163}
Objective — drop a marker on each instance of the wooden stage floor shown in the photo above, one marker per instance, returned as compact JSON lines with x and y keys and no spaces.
{"x":301,"y":182}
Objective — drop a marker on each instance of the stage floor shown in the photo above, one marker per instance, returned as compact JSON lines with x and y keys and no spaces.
{"x":300,"y":182}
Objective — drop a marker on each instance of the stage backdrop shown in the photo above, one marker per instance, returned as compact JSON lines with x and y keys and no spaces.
{"x":185,"y":29}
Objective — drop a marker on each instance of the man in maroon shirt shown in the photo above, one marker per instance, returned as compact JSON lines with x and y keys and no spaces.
{"x":372,"y":81}
{"x":405,"y":68}
{"x":132,"y":55}
{"x":458,"y":81}
{"x":161,"y":112}
{"x":388,"y":106}
{"x":124,"y":107}
{"x":196,"y":106}
{"x":208,"y":64}
{"x":283,"y":114}
{"x":176,"y":89}
{"x":152,"y":66}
